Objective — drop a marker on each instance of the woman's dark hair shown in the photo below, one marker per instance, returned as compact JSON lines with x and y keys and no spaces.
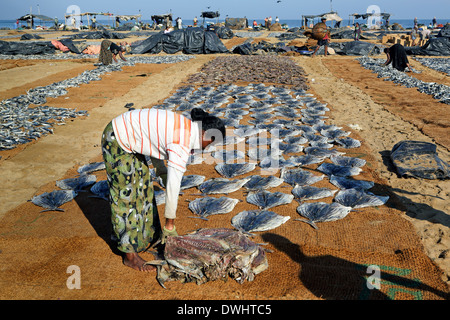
{"x":208,"y":121}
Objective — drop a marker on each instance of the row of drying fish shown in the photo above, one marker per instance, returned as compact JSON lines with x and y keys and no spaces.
{"x":303,"y":131}
{"x":259,"y":69}
{"x":438,"y":64}
{"x":20,"y":124}
{"x":440,"y":92}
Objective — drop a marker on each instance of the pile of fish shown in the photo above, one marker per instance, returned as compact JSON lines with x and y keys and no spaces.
{"x":438,"y":91}
{"x":259,"y":69}
{"x":438,"y":64}
{"x":209,"y":255}
{"x":20,"y":123}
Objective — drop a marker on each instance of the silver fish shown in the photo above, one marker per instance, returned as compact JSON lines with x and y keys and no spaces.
{"x":348,"y":161}
{"x":336,"y":170}
{"x":265,"y":199}
{"x":51,"y":201}
{"x":299,"y":177}
{"x":359,"y":199}
{"x":349,"y":183}
{"x":259,"y":183}
{"x":91,"y":167}
{"x":222,"y":185}
{"x":228,"y":155}
{"x":321,"y":212}
{"x":257,"y":220}
{"x":193,"y":180}
{"x":78,"y":183}
{"x":306,"y":160}
{"x":348,"y":142}
{"x":207,"y":206}
{"x":303,"y":193}
{"x":101,"y":190}
{"x":231,"y":170}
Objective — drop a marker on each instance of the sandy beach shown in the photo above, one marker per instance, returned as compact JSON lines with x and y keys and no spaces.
{"x":408,"y":237}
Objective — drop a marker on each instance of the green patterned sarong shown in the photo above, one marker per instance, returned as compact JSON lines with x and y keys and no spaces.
{"x":134,"y":214}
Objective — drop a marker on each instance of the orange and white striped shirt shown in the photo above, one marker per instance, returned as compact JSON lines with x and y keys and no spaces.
{"x":160,"y":134}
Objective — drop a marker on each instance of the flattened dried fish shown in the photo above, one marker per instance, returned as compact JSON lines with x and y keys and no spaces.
{"x":306,"y":160}
{"x":299,"y":177}
{"x":231,"y":170}
{"x":207,"y":206}
{"x":78,"y":183}
{"x":51,"y":201}
{"x":101,"y":190}
{"x":336,"y":170}
{"x":348,"y":161}
{"x":257,"y":220}
{"x":91,"y":167}
{"x":359,"y":199}
{"x":349,"y":183}
{"x":303,"y":193}
{"x":192,"y":180}
{"x":265,"y":199}
{"x":321,"y":212}
{"x":348,"y":142}
{"x":222,"y":185}
{"x":228,"y":155}
{"x":259,"y":183}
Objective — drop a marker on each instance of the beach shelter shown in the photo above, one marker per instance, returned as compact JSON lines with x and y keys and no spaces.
{"x":30,"y":18}
{"x":330,"y":16}
{"x":210,"y":15}
{"x":161,"y":19}
{"x":366,"y":16}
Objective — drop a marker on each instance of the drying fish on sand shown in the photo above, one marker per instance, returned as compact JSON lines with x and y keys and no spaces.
{"x":91,"y":167}
{"x":228,"y":155}
{"x":101,"y":190}
{"x":78,"y":183}
{"x":359,"y":199}
{"x":348,"y":142}
{"x":209,"y":255}
{"x":337,"y":170}
{"x":257,"y":220}
{"x":299,"y":177}
{"x":222,"y":185}
{"x":231,"y":170}
{"x":350,"y":183}
{"x":306,"y":160}
{"x":192,"y":180}
{"x":259,"y":183}
{"x":321,"y":212}
{"x":51,"y":201}
{"x":204,"y":207}
{"x":348,"y":161}
{"x":303,"y":193}
{"x":321,"y":152}
{"x":265,"y":199}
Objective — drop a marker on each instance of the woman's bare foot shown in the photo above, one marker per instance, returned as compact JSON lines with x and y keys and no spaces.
{"x":133,"y":260}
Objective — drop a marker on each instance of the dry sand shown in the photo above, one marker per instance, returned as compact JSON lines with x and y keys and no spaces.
{"x":408,"y":238}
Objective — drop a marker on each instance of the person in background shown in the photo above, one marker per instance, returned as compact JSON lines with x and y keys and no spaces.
{"x":109,"y":50}
{"x":161,"y":135}
{"x":357,"y":31}
{"x":414,"y":35}
{"x":94,"y":23}
{"x":434,"y":22}
{"x":277,"y":20}
{"x":195,"y":21}
{"x":397,"y":56}
{"x":324,"y":41}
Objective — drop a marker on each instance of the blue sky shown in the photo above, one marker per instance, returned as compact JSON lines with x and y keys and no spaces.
{"x":252,"y":9}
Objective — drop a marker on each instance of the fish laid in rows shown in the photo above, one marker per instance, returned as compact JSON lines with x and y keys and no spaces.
{"x":265,"y":199}
{"x":257,"y":220}
{"x":204,"y":207}
{"x":51,"y":201}
{"x":321,"y":212}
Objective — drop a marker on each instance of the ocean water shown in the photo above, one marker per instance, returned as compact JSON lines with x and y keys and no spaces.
{"x":406,"y":23}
